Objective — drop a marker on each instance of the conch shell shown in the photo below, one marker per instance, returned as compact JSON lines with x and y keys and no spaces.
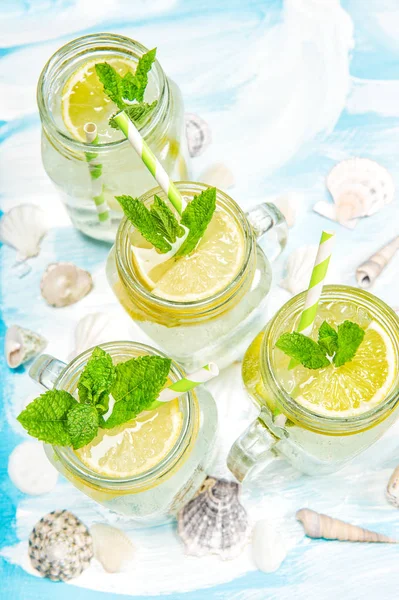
{"x":393,"y":488}
{"x":21,"y":345}
{"x":64,"y":283}
{"x":368,"y":271}
{"x":317,"y":525}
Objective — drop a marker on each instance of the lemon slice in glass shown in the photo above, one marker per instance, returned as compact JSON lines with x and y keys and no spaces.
{"x":356,"y":387}
{"x":84,"y":101}
{"x":137,"y":446}
{"x":208,"y":270}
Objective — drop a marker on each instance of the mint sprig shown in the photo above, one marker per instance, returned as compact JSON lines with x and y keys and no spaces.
{"x":340,"y":345}
{"x":196,"y":217}
{"x":56,"y":417}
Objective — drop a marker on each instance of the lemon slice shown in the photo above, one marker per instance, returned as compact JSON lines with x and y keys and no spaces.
{"x":356,"y":387}
{"x":208,"y":270}
{"x":83,"y":99}
{"x":137,"y":446}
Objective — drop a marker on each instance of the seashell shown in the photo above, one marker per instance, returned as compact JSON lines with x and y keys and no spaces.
{"x":64,"y":283}
{"x":214,"y":521}
{"x":21,"y":345}
{"x":329,"y":210}
{"x":360,"y":187}
{"x":268,"y":547}
{"x":60,"y":546}
{"x":321,"y":526}
{"x":22,"y":228}
{"x":112,"y":548}
{"x":368,"y":271}
{"x":289,"y":204}
{"x":299,"y":269}
{"x":198,"y":134}
{"x":219,"y":176}
{"x":90,"y":331}
{"x":393,"y":488}
{"x":30,"y":470}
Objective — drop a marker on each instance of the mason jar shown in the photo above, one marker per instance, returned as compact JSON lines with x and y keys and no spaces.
{"x":65,"y":159}
{"x":155,"y":495}
{"x":218,"y":328}
{"x":313,"y":443}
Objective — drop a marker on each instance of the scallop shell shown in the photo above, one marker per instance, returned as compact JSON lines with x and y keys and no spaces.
{"x":90,"y":331}
{"x":30,"y":470}
{"x":289,"y":205}
{"x":329,"y":210}
{"x":322,"y":526}
{"x":368,"y":271}
{"x":64,"y":283}
{"x":214,"y":521}
{"x":393,"y":488}
{"x":219,"y":176}
{"x":112,"y":548}
{"x":268,"y":546}
{"x":21,"y":345}
{"x":22,"y":228}
{"x":299,"y":269}
{"x":198,"y":134}
{"x":360,"y":187}
{"x":60,"y":546}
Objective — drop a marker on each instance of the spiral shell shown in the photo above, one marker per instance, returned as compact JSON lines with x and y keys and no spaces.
{"x":198,"y":134}
{"x":21,"y":345}
{"x":367,"y":272}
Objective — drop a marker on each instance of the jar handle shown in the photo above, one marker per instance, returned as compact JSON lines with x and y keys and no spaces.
{"x":252,"y":448}
{"x":46,"y":370}
{"x":266,"y":218}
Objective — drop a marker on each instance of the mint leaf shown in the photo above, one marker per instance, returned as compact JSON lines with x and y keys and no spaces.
{"x":167,"y":223}
{"x":112,"y":83}
{"x":138,"y":383}
{"x":82,"y":424}
{"x":97,"y":378}
{"x":142,"y":219}
{"x":46,"y":417}
{"x":196,"y":217}
{"x":303,"y":349}
{"x":141,"y":74}
{"x":138,"y":113}
{"x":350,"y":336}
{"x":328,"y":338}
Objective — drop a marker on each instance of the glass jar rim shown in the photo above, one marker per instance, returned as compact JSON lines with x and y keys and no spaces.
{"x":302,"y":415}
{"x":229,"y":292}
{"x":71,"y":461}
{"x":87,"y":43}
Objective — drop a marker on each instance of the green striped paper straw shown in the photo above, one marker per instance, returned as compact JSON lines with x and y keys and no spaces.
{"x":150,"y":160}
{"x":95,"y":168}
{"x":315,"y":286}
{"x":180,"y":387}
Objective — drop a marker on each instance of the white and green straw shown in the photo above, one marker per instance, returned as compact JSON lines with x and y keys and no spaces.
{"x":97,"y":185}
{"x":180,"y":387}
{"x":150,"y":160}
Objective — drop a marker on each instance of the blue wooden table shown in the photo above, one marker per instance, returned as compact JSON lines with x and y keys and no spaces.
{"x":288,"y":89}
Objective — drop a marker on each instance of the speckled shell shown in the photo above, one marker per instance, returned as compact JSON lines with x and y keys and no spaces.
{"x":64,"y":283}
{"x":198,"y":134}
{"x":214,"y":522}
{"x":21,"y":345}
{"x":360,"y":187}
{"x":23,"y":227}
{"x":60,"y":546}
{"x":393,"y":488}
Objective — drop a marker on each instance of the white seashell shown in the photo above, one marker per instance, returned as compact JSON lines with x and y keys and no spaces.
{"x":329,"y":210}
{"x":90,"y":331}
{"x":368,"y":271}
{"x":317,"y":526}
{"x":219,"y":176}
{"x":290,"y":205}
{"x":112,"y":548}
{"x":360,"y":187}
{"x":393,"y":488}
{"x":214,"y":521}
{"x":21,"y":345}
{"x":299,"y":269}
{"x":198,"y":134}
{"x":23,"y":227}
{"x":60,"y":546}
{"x":64,"y":283}
{"x":268,"y":547}
{"x":30,"y":470}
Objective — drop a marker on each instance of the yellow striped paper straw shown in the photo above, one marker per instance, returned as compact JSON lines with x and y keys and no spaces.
{"x":95,"y":169}
{"x":150,"y":160}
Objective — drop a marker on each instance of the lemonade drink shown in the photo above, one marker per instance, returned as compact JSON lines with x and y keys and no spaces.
{"x":319,"y":419}
{"x":71,"y":95}
{"x":206,"y":305}
{"x":147,"y":468}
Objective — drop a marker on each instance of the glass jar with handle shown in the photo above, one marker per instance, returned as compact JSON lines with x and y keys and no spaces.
{"x":148,"y":468}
